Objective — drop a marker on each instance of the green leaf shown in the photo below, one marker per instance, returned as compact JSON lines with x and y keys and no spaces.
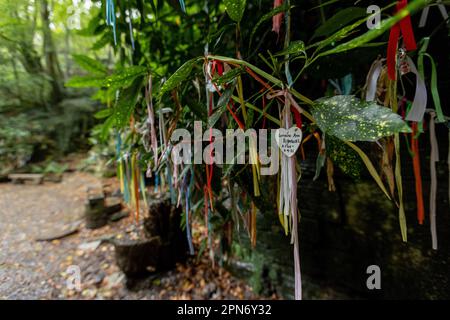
{"x":373,"y":172}
{"x":235,"y":9}
{"x":344,"y":157}
{"x":216,"y":36}
{"x":351,"y":119}
{"x":320,"y":162}
{"x":322,"y":5}
{"x":228,"y":76}
{"x":283,"y":8}
{"x":342,"y":34}
{"x":155,"y":11}
{"x":103,"y":41}
{"x":244,"y":63}
{"x":179,"y":76}
{"x":126,"y":103}
{"x":198,"y":109}
{"x":295,"y":48}
{"x":89,"y":64}
{"x":103,"y":113}
{"x":374,"y":33}
{"x":339,"y":20}
{"x":85,"y":82}
{"x":93,"y":28}
{"x":124,"y":77}
{"x":221,"y":106}
{"x":105,"y":129}
{"x":339,"y":35}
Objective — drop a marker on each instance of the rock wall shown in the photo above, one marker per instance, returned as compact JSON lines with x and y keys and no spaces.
{"x":343,"y":232}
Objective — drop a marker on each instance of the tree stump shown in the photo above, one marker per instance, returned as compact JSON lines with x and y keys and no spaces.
{"x":95,"y":214}
{"x":98,"y":210}
{"x":158,"y":243}
{"x":137,"y":257}
{"x":164,"y":220}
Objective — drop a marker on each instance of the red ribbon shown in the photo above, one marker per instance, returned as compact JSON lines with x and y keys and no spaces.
{"x":403,"y":27}
{"x":297,"y":117}
{"x":278,"y":18}
{"x":417,"y":175}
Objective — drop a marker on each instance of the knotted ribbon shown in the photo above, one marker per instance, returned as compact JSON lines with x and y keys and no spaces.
{"x":288,"y":197}
{"x":403,"y":27}
{"x":294,"y":107}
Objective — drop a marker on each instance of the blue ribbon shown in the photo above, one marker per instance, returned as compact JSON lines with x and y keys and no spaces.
{"x":126,"y":182}
{"x":173,"y":198}
{"x":343,"y":85}
{"x":131,"y":28}
{"x":183,"y":6}
{"x":111,"y":17}
{"x":118,"y":145}
{"x":156,"y":181}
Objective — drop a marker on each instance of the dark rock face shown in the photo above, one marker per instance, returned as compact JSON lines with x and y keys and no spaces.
{"x":161,"y":244}
{"x":344,"y":232}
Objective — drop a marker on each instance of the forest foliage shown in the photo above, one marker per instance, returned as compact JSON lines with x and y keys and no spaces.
{"x":158,"y":65}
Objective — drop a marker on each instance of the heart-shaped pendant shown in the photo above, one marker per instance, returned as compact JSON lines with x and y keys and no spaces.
{"x":289,"y":140}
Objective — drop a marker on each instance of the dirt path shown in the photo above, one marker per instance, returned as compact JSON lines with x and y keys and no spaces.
{"x":31,"y":269}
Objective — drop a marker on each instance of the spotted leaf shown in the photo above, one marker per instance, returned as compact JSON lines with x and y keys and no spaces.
{"x":351,"y":119}
{"x":235,"y":9}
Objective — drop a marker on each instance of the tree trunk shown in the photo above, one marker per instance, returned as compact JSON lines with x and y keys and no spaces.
{"x":51,"y":58}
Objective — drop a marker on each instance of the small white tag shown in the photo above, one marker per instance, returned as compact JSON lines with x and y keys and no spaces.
{"x":289,"y":140}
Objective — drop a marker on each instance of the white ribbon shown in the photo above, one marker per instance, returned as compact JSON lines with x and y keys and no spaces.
{"x":434,"y":157}
{"x":424,"y":16}
{"x":288,"y":198}
{"x":372,"y":79}
{"x":420,"y":99}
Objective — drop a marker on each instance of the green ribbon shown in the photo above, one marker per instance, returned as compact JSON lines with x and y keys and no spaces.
{"x":434,"y":89}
